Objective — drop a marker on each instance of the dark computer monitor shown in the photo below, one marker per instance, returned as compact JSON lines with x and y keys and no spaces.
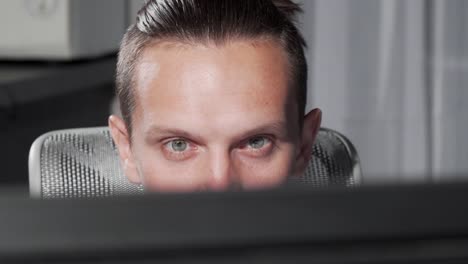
{"x":400,"y":224}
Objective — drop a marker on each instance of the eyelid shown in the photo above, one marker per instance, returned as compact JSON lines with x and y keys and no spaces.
{"x":170,"y":139}
{"x":270,"y":138}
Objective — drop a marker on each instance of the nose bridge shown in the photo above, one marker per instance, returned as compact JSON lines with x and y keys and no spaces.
{"x":221,"y":170}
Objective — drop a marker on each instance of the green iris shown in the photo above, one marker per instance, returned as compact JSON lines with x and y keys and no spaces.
{"x":179,"y":145}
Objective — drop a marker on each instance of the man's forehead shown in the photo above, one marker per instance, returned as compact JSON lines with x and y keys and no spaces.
{"x":234,"y":63}
{"x":266,"y":56}
{"x":213,"y":82}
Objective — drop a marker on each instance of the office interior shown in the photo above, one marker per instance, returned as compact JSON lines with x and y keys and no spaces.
{"x":390,"y":75}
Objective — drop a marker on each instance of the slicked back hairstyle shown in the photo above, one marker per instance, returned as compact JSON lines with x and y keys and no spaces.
{"x":215,"y":21}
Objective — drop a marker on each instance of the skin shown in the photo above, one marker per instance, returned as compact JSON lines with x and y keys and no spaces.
{"x":214,"y":117}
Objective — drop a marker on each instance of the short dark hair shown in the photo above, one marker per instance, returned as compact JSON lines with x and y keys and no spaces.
{"x":216,"y":21}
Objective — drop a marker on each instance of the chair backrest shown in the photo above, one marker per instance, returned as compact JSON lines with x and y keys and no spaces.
{"x":84,"y":162}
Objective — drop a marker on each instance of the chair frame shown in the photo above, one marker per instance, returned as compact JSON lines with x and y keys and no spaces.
{"x":352,"y":153}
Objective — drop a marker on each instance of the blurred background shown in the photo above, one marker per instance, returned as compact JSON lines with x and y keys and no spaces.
{"x":390,"y":75}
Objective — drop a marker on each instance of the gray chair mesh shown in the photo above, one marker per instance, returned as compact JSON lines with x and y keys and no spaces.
{"x":334,"y":161}
{"x":85,"y":163}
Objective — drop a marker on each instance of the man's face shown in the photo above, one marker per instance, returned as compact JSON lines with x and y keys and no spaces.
{"x":213,"y":117}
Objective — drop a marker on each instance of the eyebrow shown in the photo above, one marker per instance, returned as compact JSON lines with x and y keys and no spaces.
{"x":157,"y":131}
{"x":277,"y":128}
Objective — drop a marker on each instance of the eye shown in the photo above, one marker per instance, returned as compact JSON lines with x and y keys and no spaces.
{"x":178,"y":145}
{"x":257,"y":142}
{"x":258,"y":146}
{"x":179,"y":149}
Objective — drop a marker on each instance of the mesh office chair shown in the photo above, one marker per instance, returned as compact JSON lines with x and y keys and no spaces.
{"x":84,"y":163}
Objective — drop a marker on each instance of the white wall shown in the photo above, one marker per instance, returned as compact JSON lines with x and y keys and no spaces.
{"x":366,"y":72}
{"x":133,"y":7}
